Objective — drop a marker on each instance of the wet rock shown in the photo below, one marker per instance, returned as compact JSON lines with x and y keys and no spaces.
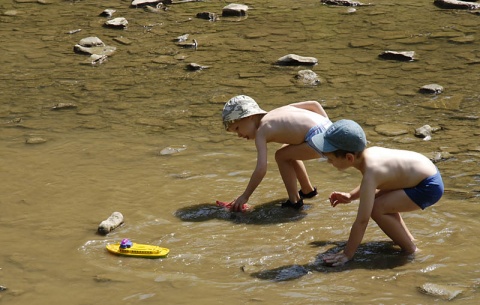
{"x":35,"y":140}
{"x":187,"y":45}
{"x":400,"y":56}
{"x":10,"y":13}
{"x":3,"y":288}
{"x":454,"y":4}
{"x":431,"y":89}
{"x":62,"y":106}
{"x":463,"y":39}
{"x":105,"y":50}
{"x":234,"y":9}
{"x":158,"y":9}
{"x":172,"y":150}
{"x":391,"y":129}
{"x":344,"y":3}
{"x":123,"y":40}
{"x":13,"y":121}
{"x":107,"y":13}
{"x":137,"y":3}
{"x":111,"y":223}
{"x":182,"y":38}
{"x":208,"y":16}
{"x":441,"y":291}
{"x":95,"y":60}
{"x":196,"y":67}
{"x":440,"y":156}
{"x":425,"y":132}
{"x":91,"y":42}
{"x":118,"y":23}
{"x":296,"y":60}
{"x":307,"y":78}
{"x":74,"y":31}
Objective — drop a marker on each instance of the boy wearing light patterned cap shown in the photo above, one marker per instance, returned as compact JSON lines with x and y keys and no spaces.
{"x":292,"y":125}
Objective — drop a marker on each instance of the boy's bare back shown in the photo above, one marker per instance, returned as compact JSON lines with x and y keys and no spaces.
{"x":394,"y":169}
{"x":288,"y":124}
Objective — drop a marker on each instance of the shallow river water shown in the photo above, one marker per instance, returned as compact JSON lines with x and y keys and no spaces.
{"x":107,"y":154}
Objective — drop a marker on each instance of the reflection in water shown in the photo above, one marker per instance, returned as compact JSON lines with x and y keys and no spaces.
{"x":371,"y":255}
{"x":262,"y":214}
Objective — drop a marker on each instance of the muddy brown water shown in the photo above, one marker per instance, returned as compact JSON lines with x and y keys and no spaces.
{"x":105,"y":155}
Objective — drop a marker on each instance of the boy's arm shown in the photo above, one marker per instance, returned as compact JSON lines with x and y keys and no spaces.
{"x":257,"y":175}
{"x":367,"y":196}
{"x":312,"y":106}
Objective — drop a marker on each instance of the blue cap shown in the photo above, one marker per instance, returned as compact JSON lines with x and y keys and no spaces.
{"x":343,"y":134}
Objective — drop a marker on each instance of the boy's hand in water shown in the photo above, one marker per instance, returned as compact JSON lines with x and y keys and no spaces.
{"x":336,"y":259}
{"x":230,"y":206}
{"x":339,"y":197}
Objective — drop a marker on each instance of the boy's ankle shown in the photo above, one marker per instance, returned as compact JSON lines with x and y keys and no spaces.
{"x":308,"y":195}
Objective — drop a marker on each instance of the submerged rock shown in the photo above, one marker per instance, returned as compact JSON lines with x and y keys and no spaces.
{"x":172,"y":150}
{"x":307,"y":78}
{"x":442,"y":291}
{"x":35,"y":140}
{"x":105,"y":50}
{"x":425,"y":132}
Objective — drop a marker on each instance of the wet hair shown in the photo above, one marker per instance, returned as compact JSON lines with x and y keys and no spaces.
{"x":340,"y":153}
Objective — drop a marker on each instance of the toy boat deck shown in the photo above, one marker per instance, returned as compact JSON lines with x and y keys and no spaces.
{"x":128,"y":248}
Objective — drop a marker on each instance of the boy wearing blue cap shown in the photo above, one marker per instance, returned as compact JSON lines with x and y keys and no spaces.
{"x":292,"y":125}
{"x":393,"y":181}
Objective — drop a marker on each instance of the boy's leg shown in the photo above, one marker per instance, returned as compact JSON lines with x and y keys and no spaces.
{"x":302,"y":177}
{"x":291,"y":168}
{"x":386,"y":213}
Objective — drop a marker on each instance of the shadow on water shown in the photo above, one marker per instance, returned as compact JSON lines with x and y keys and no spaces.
{"x":268,"y":213}
{"x":373,"y":255}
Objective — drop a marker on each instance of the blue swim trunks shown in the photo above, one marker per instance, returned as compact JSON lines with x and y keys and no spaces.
{"x":320,"y":128}
{"x":427,"y":192}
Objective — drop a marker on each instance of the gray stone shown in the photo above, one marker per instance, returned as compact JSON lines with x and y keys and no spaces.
{"x":454,"y":4}
{"x":111,"y":223}
{"x":91,"y":42}
{"x":234,"y":9}
{"x":119,"y":22}
{"x":344,"y":3}
{"x":431,"y":89}
{"x":296,"y":60}
{"x":400,"y":56}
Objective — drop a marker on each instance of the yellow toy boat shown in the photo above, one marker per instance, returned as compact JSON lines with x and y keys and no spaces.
{"x":128,"y":248}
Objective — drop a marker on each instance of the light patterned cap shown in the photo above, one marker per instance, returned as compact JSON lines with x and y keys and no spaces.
{"x":239,"y":107}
